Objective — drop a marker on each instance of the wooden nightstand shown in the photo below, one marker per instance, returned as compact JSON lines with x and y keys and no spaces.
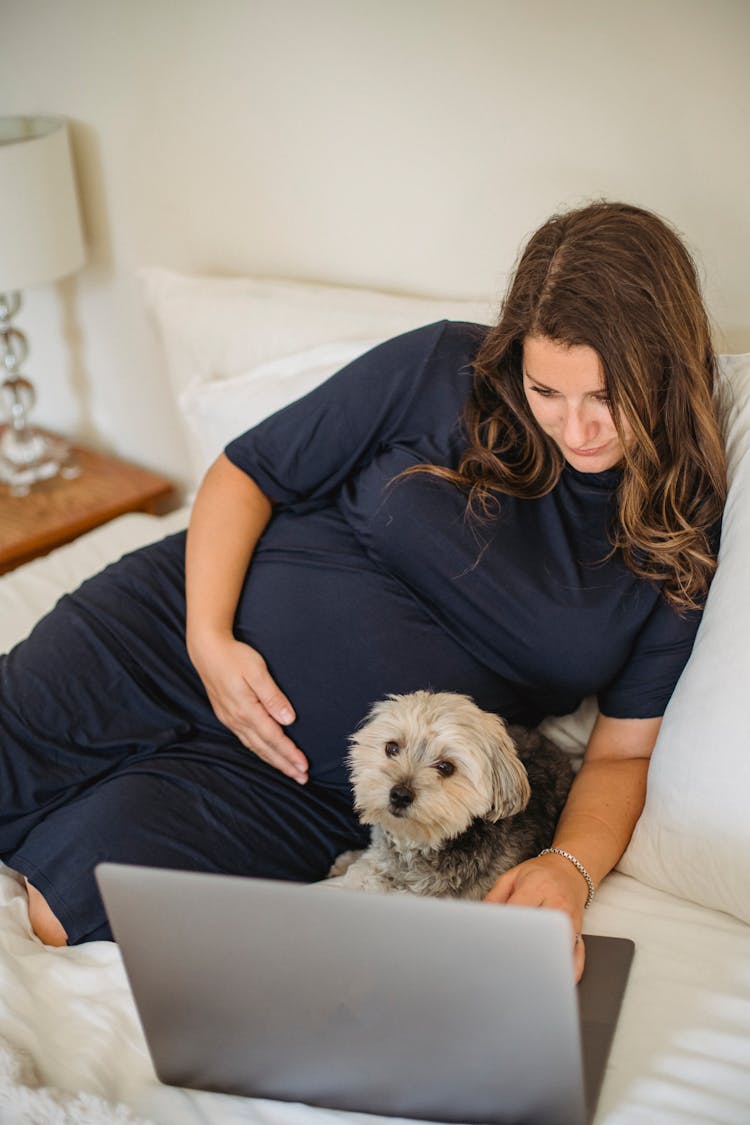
{"x":58,"y":510}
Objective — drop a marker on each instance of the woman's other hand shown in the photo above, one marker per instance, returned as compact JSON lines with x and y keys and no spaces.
{"x":600,"y":813}
{"x":248,"y":701}
{"x":549,"y":881}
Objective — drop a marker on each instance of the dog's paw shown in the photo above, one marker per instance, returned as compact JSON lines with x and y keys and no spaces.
{"x":342,"y":863}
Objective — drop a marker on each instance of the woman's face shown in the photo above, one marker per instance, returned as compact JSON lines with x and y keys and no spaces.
{"x":565,"y":390}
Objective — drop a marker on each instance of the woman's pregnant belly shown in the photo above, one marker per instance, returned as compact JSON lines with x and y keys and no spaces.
{"x":338,"y":633}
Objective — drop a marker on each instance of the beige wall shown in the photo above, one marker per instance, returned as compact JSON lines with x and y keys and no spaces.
{"x":407,"y":144}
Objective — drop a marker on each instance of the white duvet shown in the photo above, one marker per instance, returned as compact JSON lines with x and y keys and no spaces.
{"x":71,"y":1047}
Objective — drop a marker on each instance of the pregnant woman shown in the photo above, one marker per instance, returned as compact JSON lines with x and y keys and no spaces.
{"x":526,"y":513}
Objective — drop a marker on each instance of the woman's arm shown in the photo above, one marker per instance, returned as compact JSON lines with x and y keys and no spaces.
{"x":595,"y":826}
{"x":229,"y":516}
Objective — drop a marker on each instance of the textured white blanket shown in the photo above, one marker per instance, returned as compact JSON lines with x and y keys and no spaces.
{"x":24,"y":1101}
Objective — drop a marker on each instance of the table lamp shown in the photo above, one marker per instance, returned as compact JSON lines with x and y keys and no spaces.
{"x":41,"y":241}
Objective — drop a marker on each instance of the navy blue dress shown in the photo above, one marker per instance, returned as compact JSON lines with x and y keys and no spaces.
{"x":364,"y":583}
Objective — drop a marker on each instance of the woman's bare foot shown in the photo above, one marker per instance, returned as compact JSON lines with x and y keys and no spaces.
{"x":47,"y":927}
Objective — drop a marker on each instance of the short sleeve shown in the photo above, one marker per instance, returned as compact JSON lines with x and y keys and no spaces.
{"x":644,"y":686}
{"x":307,"y":450}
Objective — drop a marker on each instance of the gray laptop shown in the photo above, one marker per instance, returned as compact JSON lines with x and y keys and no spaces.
{"x":386,"y":1004}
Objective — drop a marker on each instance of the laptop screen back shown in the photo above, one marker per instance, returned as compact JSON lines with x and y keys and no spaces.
{"x":386,"y":1004}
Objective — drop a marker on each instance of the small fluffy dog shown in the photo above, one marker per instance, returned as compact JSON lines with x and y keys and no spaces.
{"x":454,"y":796}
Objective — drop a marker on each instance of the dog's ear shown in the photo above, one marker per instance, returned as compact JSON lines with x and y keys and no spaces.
{"x":510,"y":783}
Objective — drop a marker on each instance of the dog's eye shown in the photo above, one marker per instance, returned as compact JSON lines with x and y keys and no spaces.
{"x":391,"y":749}
{"x":445,"y":769}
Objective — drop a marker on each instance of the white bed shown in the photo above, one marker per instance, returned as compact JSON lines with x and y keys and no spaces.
{"x":71,"y":1049}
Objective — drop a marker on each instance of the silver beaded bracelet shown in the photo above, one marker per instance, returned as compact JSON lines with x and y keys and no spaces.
{"x":578,"y":866}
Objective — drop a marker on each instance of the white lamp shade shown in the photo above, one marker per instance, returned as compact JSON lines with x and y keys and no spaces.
{"x":40,"y":236}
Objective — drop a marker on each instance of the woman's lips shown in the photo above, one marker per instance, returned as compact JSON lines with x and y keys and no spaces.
{"x":588,"y":452}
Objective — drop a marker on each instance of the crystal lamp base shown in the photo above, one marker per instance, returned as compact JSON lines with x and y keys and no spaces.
{"x":27,"y":456}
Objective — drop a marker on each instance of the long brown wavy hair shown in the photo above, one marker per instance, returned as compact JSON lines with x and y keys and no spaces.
{"x":618,"y":279}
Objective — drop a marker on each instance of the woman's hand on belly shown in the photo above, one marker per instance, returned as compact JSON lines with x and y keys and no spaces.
{"x":247,"y":700}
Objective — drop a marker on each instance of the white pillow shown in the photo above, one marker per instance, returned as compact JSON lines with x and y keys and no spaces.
{"x":221,"y":409}
{"x":214,"y":327}
{"x":693,"y":838}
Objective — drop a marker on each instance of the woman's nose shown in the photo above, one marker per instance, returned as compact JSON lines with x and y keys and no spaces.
{"x":580,"y":427}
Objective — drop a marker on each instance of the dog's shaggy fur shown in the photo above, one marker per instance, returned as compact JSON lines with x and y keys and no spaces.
{"x":454,"y":796}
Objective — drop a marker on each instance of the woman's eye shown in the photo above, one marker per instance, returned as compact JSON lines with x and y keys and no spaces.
{"x":391,"y":749}
{"x":543,"y":392}
{"x":445,"y":769}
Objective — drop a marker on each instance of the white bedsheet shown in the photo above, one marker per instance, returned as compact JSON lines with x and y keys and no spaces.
{"x":681,"y":1055}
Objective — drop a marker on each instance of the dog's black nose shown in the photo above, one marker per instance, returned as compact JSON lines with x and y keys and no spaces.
{"x":401,"y":797}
